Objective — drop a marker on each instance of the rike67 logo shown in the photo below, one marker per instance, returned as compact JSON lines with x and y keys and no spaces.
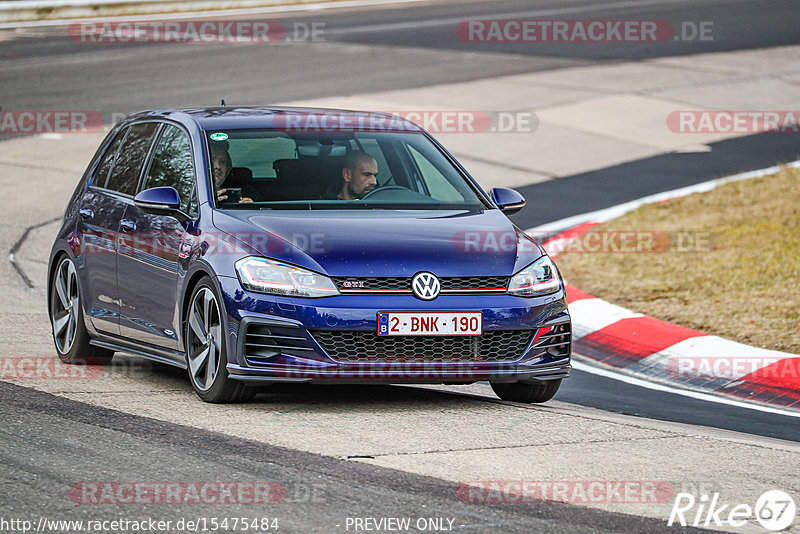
{"x":774,"y":510}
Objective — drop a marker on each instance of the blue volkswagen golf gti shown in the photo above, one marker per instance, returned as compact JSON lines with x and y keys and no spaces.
{"x":253,"y":246}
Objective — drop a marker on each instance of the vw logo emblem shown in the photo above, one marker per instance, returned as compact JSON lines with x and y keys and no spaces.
{"x":425,"y":286}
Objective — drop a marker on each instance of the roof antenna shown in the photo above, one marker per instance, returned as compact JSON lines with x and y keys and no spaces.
{"x":223,"y":102}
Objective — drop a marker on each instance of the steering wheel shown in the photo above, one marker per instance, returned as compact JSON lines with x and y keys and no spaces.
{"x":383,"y":189}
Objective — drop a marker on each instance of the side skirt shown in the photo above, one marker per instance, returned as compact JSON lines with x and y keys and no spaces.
{"x":138,"y":351}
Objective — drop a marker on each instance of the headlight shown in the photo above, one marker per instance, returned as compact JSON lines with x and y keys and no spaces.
{"x":538,"y":278}
{"x":269,"y":276}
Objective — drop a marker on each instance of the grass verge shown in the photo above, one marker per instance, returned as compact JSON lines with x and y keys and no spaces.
{"x":726,"y":262}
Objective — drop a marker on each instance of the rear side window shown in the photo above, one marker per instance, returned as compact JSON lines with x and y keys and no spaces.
{"x":258,"y":154}
{"x":101,"y":174}
{"x":172,"y":165}
{"x":128,"y":166}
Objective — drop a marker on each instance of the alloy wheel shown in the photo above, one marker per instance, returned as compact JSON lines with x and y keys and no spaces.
{"x":204,"y":339}
{"x":66,"y":306}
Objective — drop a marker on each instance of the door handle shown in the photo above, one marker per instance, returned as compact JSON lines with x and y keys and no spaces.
{"x":86,"y":213}
{"x":127,"y":225}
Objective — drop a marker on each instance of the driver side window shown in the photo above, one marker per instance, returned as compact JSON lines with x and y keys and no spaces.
{"x":172,"y":165}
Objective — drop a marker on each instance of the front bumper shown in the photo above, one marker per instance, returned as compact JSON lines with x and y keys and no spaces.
{"x":398,"y":374}
{"x":300,"y":357}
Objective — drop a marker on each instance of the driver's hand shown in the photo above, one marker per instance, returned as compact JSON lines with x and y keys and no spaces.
{"x":222,"y":196}
{"x":245,"y":200}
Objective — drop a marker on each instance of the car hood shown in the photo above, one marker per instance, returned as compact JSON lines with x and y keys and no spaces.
{"x":385,"y":242}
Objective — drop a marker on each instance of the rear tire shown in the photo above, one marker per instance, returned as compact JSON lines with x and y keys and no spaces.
{"x":206,"y":355}
{"x":70,"y":336}
{"x":527,"y":392}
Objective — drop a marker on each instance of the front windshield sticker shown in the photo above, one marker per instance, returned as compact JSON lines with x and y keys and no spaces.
{"x":218,"y":136}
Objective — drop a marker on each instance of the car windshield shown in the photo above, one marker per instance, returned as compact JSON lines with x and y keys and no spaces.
{"x":335,"y":170}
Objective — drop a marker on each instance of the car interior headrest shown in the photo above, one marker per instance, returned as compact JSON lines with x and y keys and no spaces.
{"x":241,"y":174}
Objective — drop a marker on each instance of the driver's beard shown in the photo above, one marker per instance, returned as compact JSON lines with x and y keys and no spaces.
{"x":353,"y":192}
{"x":218,"y":184}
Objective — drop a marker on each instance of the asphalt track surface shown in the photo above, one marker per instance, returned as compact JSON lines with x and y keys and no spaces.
{"x":321,"y":491}
{"x":365,"y":50}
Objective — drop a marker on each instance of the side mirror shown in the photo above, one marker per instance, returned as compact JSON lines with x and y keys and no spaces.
{"x":508,"y":200}
{"x":160,"y":201}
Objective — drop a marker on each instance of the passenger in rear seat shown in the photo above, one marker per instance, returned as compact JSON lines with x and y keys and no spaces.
{"x":359,"y":173}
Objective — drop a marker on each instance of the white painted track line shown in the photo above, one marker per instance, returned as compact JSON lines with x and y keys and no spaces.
{"x":580,"y":366}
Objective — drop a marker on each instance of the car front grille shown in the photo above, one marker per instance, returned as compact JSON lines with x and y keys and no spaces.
{"x":263,"y":342}
{"x":475,"y":282}
{"x":461,"y":284}
{"x":369,"y":347}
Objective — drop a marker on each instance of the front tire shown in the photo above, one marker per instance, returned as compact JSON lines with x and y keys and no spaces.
{"x":70,"y":337}
{"x":206,"y":354}
{"x":527,"y":392}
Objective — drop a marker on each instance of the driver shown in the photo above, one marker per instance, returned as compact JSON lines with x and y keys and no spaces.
{"x":221,"y":166}
{"x":358,"y":175}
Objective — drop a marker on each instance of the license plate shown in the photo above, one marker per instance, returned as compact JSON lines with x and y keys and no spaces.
{"x":430,"y":323}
